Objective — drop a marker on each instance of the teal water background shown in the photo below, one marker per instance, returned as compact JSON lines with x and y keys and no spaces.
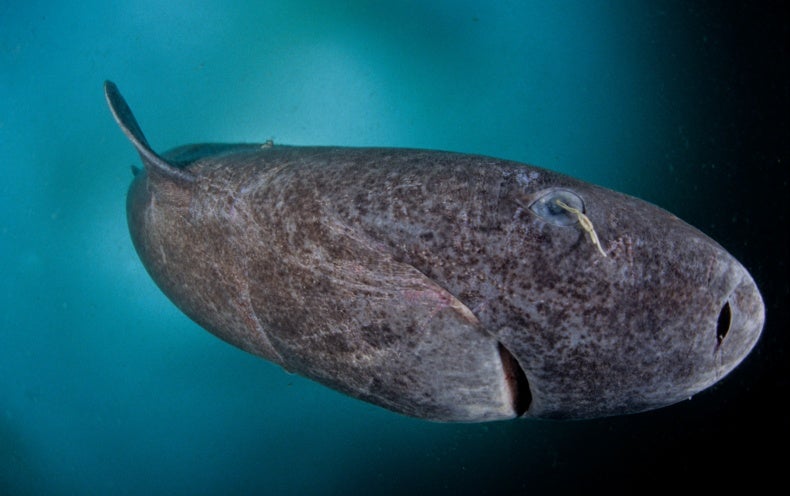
{"x":106,"y":388}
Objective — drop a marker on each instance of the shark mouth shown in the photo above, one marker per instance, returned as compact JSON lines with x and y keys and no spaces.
{"x":520,"y":395}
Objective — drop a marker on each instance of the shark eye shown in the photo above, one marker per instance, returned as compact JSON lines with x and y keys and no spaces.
{"x":549,"y":207}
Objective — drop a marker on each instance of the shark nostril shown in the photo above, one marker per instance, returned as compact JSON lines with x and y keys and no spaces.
{"x":723,"y":324}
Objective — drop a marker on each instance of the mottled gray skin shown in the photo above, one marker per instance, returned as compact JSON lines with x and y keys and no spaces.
{"x":421,"y":281}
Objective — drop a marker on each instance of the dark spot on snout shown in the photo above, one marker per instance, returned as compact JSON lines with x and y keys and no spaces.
{"x":516,"y":381}
{"x":723,"y":324}
{"x":379,"y":336}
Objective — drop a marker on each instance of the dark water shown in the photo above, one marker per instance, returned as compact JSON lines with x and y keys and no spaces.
{"x":105,"y":388}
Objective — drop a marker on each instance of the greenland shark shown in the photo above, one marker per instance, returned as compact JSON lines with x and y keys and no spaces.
{"x":444,"y":286}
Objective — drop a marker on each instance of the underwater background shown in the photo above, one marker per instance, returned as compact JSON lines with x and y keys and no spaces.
{"x":106,"y":388}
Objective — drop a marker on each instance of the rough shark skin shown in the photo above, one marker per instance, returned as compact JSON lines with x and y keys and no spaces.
{"x":434,"y":284}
